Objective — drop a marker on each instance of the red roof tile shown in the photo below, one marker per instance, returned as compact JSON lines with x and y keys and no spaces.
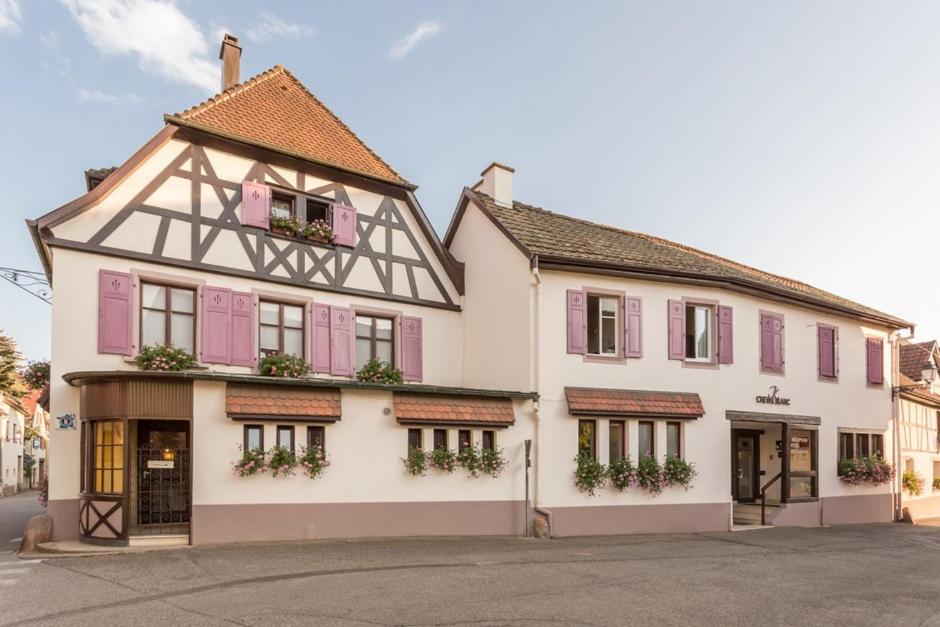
{"x":913,"y":357}
{"x":275,"y":110}
{"x":593,"y":401}
{"x":257,"y":400}
{"x":419,"y":408}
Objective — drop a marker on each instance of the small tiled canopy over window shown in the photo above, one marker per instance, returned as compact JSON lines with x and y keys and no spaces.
{"x":418,"y":409}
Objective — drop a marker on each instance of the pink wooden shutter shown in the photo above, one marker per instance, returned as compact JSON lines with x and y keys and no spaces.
{"x":875,"y":361}
{"x":634,"y":330}
{"x":577,"y":342}
{"x":320,"y":338}
{"x":216,"y":331}
{"x":341,"y":341}
{"x":344,"y":225}
{"x":725,"y":335}
{"x":308,"y":334}
{"x":243,"y":330}
{"x":256,"y":203}
{"x":411,"y":348}
{"x":826,"y":349}
{"x":115,"y":312}
{"x":676,"y":325}
{"x":771,"y":342}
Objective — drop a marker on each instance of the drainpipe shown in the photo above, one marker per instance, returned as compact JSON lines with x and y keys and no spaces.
{"x":896,"y":426}
{"x":536,"y":383}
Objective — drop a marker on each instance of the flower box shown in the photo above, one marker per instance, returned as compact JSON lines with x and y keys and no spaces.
{"x":318,"y":238}
{"x":279,"y":230}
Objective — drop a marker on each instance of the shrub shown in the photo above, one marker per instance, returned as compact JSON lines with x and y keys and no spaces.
{"x":874,"y":470}
{"x":470,"y":459}
{"x":36,"y":374}
{"x":281,"y":461}
{"x":443,"y":459}
{"x":251,"y":463}
{"x":589,"y":474}
{"x":318,"y":228}
{"x":912,"y":482}
{"x":313,"y":460}
{"x":283,"y":366}
{"x":622,"y":473}
{"x":416,"y":464}
{"x":678,"y":472}
{"x":376,"y":371}
{"x":492,"y":461}
{"x":288,"y":224}
{"x":649,"y":475}
{"x":164,"y":357}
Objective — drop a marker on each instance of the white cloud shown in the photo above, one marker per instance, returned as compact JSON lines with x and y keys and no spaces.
{"x":424,"y":30}
{"x":49,"y":38}
{"x":162,"y":38}
{"x":10,"y":16}
{"x":270,"y":26}
{"x":94,"y":95}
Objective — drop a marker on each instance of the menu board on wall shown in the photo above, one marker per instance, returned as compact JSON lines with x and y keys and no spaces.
{"x":801,"y":452}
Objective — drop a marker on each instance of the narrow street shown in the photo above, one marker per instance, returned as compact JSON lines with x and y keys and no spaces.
{"x":14,"y":512}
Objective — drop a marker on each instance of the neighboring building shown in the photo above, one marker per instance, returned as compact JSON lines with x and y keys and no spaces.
{"x":637,"y":345}
{"x":13,"y":417}
{"x":528,"y":325}
{"x":37,"y":445}
{"x":919,"y":428}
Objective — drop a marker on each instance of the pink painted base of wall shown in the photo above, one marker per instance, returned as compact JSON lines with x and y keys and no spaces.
{"x":213,"y":524}
{"x":857,"y":509}
{"x":798,"y":515}
{"x":630,"y":519}
{"x":919,"y":509}
{"x":64,"y":514}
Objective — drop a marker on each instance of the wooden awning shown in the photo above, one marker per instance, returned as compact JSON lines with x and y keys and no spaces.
{"x":756,"y":416}
{"x":453,"y":410}
{"x":258,"y":402}
{"x":633,"y":403}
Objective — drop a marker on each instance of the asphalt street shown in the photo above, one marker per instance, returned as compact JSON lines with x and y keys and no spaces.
{"x":858,"y":575}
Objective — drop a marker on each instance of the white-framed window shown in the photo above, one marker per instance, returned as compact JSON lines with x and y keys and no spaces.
{"x":699,"y":342}
{"x":603,"y":313}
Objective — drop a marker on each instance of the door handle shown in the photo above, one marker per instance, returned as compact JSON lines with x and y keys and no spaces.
{"x":740,"y":473}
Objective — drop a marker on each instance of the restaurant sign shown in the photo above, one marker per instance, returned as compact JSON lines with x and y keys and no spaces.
{"x":773,"y":398}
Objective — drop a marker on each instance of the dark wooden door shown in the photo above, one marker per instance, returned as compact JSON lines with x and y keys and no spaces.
{"x":163,"y":478}
{"x":745,"y":466}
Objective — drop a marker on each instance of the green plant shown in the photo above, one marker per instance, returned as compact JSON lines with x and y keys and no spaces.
{"x":318,"y":228}
{"x":443,"y":459}
{"x":251,"y":462}
{"x":492,"y":461}
{"x":36,"y":374}
{"x":289,"y":223}
{"x":470,"y":459}
{"x":649,"y":475}
{"x":9,"y":364}
{"x":622,"y":473}
{"x":313,"y":460}
{"x":283,"y":366}
{"x":873,"y":469}
{"x":589,"y":474}
{"x":375,"y":371}
{"x":281,"y":461}
{"x":912,"y":482}
{"x":416,"y":464}
{"x":678,"y":472}
{"x":164,"y":357}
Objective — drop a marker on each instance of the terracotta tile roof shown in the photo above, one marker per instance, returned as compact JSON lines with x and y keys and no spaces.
{"x":260,"y":400}
{"x":913,"y":357}
{"x":30,"y":401}
{"x":275,"y":109}
{"x":919,"y":394}
{"x":594,"y":401}
{"x":549,"y":234}
{"x":420,"y":408}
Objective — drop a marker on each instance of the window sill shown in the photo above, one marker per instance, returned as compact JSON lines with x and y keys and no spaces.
{"x":608,"y":359}
{"x":132,"y":361}
{"x":776,"y":373}
{"x":703,"y":365}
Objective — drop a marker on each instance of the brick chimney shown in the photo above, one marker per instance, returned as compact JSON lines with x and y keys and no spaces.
{"x":231,"y":54}
{"x":497,"y":183}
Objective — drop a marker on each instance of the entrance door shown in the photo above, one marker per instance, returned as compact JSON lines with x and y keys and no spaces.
{"x":745,"y":466}
{"x":163,"y":487}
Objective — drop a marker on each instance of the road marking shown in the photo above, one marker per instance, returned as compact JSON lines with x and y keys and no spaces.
{"x":7,"y":582}
{"x":20,"y":563}
{"x":15,"y":571}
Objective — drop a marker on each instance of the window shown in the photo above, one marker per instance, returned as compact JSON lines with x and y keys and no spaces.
{"x":463,"y":439}
{"x":316,"y":437}
{"x":285,"y":437}
{"x":698,"y":333}
{"x":83,"y":462}
{"x":854,"y":445}
{"x":602,"y":324}
{"x":167,"y":316}
{"x":846,"y":446}
{"x":646,"y":438}
{"x":254,"y":437}
{"x":374,"y":339}
{"x":440,"y":438}
{"x":414,"y":440}
{"x":802,"y":464}
{"x":108,"y":457}
{"x":282,"y":205}
{"x":616,"y":432}
{"x":587,"y":438}
{"x":281,"y":329}
{"x":674,"y":439}
{"x":489,"y":440}
{"x":315,"y":210}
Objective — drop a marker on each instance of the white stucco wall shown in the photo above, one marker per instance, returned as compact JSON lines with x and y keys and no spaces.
{"x":920,"y":447}
{"x":11,"y":447}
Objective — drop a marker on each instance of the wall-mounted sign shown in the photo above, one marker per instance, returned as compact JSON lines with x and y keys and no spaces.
{"x":37,"y":442}
{"x":159,"y":463}
{"x":773,"y":398}
{"x":66,"y":421}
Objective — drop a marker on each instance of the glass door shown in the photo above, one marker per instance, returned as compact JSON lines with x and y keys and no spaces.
{"x":745,"y":461}
{"x":162,"y":492}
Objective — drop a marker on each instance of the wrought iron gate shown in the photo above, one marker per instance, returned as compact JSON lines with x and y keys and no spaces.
{"x":161,"y":496}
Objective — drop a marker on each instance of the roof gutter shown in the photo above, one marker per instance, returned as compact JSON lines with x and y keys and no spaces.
{"x":45,"y":258}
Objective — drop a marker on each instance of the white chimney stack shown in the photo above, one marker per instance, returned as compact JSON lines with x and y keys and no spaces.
{"x":231,"y":54}
{"x":497,"y":183}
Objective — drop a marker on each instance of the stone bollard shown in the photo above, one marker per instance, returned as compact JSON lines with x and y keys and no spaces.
{"x":540,"y":528}
{"x":38,"y":530}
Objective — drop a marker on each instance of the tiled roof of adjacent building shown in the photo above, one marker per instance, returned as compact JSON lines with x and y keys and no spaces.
{"x":553,"y":236}
{"x":259,"y":400}
{"x":611,"y":402}
{"x":913,"y":356}
{"x":420,"y":408}
{"x":916,"y":393}
{"x":275,"y":110}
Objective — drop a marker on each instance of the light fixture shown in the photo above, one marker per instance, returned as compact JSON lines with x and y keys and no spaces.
{"x":929,"y":372}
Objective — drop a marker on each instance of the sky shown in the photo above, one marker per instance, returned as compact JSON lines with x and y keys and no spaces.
{"x":802,"y":138}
